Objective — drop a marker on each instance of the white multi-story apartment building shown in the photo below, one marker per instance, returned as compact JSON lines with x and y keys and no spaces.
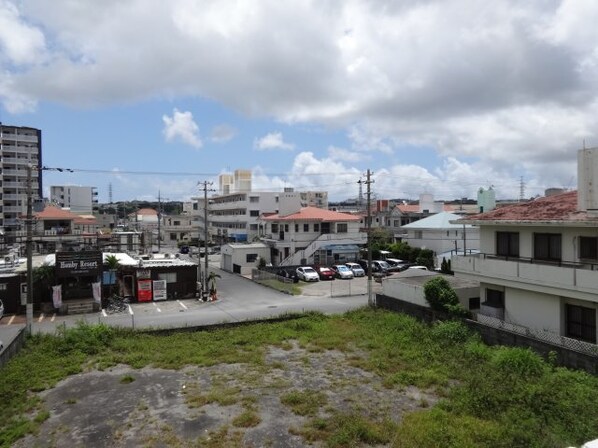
{"x":538,"y":261}
{"x":233,"y":214}
{"x":20,"y":147}
{"x":300,"y":235}
{"x":77,"y":199}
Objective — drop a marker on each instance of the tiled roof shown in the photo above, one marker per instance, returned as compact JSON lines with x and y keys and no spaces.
{"x":312,"y":214}
{"x":146,"y":211}
{"x":53,"y":212}
{"x":557,"y":208}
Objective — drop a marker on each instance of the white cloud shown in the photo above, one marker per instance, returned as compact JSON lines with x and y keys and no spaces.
{"x":345,"y":155}
{"x":512,"y":84}
{"x":273,"y":140}
{"x":20,"y":42}
{"x":181,"y":126}
{"x":222,"y":133}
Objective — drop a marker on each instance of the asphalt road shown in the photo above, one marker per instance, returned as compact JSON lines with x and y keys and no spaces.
{"x":239,"y":299}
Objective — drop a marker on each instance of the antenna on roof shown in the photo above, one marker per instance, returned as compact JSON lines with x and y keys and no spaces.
{"x":521,"y":189}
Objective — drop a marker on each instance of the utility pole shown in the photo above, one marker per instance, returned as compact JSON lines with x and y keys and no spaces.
{"x":205,"y":184}
{"x":29,"y":242}
{"x":159,"y":220}
{"x":368,"y":182}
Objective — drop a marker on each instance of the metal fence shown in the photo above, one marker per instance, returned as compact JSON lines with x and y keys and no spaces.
{"x":543,"y":335}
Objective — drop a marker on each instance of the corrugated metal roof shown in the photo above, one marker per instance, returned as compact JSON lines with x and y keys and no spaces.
{"x":440,"y":220}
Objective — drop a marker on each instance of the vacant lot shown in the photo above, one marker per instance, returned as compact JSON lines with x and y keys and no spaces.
{"x":365,"y":378}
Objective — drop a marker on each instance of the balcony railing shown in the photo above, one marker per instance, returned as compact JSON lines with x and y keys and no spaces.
{"x":568,"y":275}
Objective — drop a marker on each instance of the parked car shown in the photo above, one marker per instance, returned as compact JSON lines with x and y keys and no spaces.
{"x":379,"y":267}
{"x":325,"y":273}
{"x":356,"y":269}
{"x":184,"y":249}
{"x":422,"y":268}
{"x":342,"y":271}
{"x":307,"y":274}
{"x":290,"y":275}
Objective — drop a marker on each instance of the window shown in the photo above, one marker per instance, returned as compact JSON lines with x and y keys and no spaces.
{"x":251,"y":258}
{"x":296,"y":227}
{"x":306,"y":227}
{"x":547,"y":246}
{"x":286,"y":227}
{"x":254,"y":199}
{"x":418,"y":234}
{"x":507,"y":244}
{"x":274,"y":227}
{"x":170,"y":277}
{"x":316,"y":227}
{"x":495,"y":298}
{"x":341,"y":227}
{"x":474,"y":303}
{"x":581,"y":323}
{"x":3,"y":286}
{"x":252,"y":226}
{"x":254,"y":213}
{"x":588,"y":247}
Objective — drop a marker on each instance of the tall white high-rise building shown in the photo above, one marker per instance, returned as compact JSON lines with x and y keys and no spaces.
{"x":19,"y":148}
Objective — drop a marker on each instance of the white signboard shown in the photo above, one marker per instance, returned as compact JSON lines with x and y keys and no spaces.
{"x":159,"y":289}
{"x":23,"y":293}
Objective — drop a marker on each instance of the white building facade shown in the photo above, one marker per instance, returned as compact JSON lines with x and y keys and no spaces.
{"x":538,"y":261}
{"x":77,"y":199}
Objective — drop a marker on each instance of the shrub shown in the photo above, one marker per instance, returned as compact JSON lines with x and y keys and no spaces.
{"x":521,"y":361}
{"x":441,"y":297}
{"x":453,"y":332}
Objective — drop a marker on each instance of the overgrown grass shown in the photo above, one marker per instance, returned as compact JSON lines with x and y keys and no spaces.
{"x":493,"y":397}
{"x":290,"y":288}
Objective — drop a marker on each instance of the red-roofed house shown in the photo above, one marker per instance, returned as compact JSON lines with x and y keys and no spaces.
{"x":311,"y":235}
{"x":538,"y":265}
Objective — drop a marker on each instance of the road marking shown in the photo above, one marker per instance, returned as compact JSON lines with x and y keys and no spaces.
{"x":104,"y":313}
{"x":41,"y":317}
{"x":11,"y":319}
{"x":182,"y":304}
{"x":157,"y":307}
{"x":53,"y":317}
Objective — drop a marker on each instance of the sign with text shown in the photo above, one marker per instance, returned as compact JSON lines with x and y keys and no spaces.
{"x":159,"y":289}
{"x":144,"y":290}
{"x":74,"y":264}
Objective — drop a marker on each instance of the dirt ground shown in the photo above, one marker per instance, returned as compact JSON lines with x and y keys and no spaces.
{"x":223,"y":405}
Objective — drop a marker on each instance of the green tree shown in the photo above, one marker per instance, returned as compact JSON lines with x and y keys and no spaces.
{"x":212,"y":284}
{"x":380,"y":238}
{"x":442,"y":297}
{"x":43,"y":280}
{"x":112,"y":264}
{"x":426,"y":258}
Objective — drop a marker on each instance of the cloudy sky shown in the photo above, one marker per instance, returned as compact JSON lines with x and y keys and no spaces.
{"x":432,"y":96}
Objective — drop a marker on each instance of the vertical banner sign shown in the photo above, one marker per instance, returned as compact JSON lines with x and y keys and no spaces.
{"x":96,"y":289}
{"x":23,"y":293}
{"x":144,"y":290}
{"x":57,"y":296}
{"x":159,"y":289}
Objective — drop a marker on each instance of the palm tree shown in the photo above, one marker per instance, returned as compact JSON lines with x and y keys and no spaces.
{"x":111,"y":262}
{"x":212,"y":285}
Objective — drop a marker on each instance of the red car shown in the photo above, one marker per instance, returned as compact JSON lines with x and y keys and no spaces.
{"x":325,"y":273}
